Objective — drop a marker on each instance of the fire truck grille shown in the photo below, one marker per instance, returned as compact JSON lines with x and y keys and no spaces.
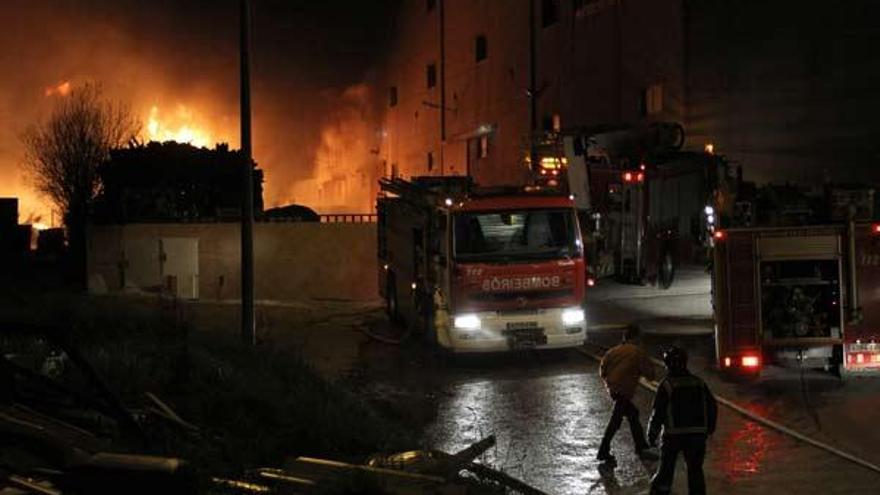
{"x":527,"y":296}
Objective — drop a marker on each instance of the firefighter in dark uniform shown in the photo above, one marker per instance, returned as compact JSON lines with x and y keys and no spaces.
{"x":686,"y":410}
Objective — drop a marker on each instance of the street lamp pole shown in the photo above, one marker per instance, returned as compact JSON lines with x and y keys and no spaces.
{"x":248,"y":330}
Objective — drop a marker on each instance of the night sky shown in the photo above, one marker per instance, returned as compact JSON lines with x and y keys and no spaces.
{"x":170,"y":54}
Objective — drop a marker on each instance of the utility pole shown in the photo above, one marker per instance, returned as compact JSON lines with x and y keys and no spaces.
{"x":533,"y":90}
{"x":442,"y":15}
{"x":248,"y":331}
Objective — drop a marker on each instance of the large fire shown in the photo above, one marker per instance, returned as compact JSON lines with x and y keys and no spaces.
{"x":343,"y":174}
{"x":180,"y":126}
{"x":345,"y":171}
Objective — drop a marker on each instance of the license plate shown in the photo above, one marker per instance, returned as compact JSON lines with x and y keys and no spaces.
{"x":526,"y":338}
{"x":522,"y":325}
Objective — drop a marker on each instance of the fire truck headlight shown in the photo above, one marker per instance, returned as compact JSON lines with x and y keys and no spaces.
{"x":467,"y":322}
{"x":573,"y":316}
{"x":709,"y":210}
{"x":711,"y":219}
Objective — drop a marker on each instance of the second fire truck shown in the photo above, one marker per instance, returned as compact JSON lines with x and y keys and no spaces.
{"x":796,"y":283}
{"x":646,"y":205}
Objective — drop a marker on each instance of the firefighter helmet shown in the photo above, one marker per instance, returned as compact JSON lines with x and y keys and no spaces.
{"x":675,"y":359}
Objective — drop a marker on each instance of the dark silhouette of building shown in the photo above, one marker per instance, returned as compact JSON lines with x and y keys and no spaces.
{"x":8,"y":213}
{"x":15,"y":239}
{"x":171,"y":182}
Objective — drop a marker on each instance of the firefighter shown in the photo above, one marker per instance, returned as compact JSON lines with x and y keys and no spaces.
{"x":686,"y":410}
{"x":621,"y":368}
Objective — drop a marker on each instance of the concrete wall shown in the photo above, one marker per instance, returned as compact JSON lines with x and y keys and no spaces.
{"x":292,"y":261}
{"x":485,"y":97}
{"x":592,"y":66}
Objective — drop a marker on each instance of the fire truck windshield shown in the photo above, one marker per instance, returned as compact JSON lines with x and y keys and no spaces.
{"x":516,"y":235}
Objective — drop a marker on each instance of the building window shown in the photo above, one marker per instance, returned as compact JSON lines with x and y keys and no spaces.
{"x":481,"y":48}
{"x":392,"y":96}
{"x":431,"y":4}
{"x":549,"y":12}
{"x":652,"y":100}
{"x":430,"y":161}
{"x":431,"y":73}
{"x":483,"y":150}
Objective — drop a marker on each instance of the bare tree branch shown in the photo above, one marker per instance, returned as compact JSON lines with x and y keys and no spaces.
{"x":62,"y":154}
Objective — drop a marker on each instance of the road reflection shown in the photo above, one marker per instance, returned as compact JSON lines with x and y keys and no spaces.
{"x":742,"y":453}
{"x":548,"y":428}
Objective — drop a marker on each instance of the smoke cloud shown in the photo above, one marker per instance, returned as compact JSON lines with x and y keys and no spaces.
{"x":177,"y":67}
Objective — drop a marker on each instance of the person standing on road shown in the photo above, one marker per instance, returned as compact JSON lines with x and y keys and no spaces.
{"x":686,"y":410}
{"x":621,"y":368}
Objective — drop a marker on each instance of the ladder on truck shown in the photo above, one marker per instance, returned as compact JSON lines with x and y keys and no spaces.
{"x":425,"y":191}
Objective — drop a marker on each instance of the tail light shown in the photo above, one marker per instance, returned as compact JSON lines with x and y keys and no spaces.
{"x":875,"y":229}
{"x":750,"y":361}
{"x":628,"y":177}
{"x":591,"y":282}
{"x":719,"y":235}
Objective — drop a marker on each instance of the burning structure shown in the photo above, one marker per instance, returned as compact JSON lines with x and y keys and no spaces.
{"x":173,"y":182}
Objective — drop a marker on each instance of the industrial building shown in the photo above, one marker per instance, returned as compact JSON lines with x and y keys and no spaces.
{"x":467,"y":82}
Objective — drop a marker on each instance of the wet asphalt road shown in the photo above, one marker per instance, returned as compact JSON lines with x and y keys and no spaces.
{"x":548,"y":412}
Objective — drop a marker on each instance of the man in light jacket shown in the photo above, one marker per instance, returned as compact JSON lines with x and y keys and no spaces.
{"x":621,"y":368}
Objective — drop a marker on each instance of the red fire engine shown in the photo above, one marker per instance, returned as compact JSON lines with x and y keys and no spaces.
{"x":802,"y":295}
{"x":645,"y":204}
{"x":481,"y":270}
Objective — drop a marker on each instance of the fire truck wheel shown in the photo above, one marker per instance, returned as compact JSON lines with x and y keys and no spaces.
{"x":429,"y":332}
{"x":391,"y":307}
{"x":666,"y":270}
{"x":837,"y":367}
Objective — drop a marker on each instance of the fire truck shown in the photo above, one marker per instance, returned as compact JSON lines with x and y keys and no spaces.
{"x":802,"y":291}
{"x":479,"y":270}
{"x":646,"y":205}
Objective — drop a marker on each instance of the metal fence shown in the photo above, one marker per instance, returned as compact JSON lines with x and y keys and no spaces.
{"x":348,"y":218}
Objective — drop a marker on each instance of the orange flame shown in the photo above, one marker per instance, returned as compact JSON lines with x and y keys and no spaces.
{"x":345,"y":170}
{"x":180,"y":126}
{"x":62,"y":89}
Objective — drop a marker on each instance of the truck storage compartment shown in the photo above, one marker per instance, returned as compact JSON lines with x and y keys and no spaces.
{"x":800,"y":299}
